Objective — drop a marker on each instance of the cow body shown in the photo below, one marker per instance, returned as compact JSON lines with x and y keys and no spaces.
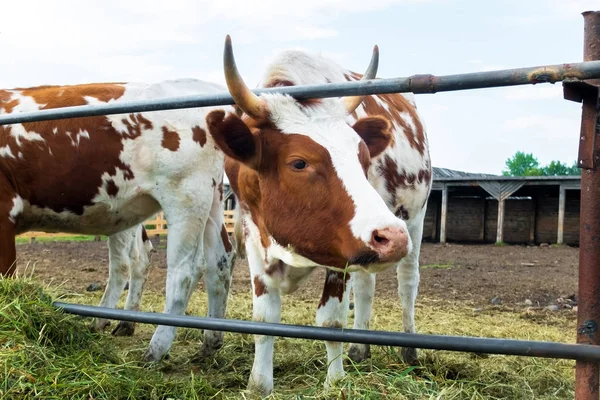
{"x":296,"y":204}
{"x":108,"y":174}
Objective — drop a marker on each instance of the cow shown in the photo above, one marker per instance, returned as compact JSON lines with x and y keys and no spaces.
{"x":129,"y":252}
{"x":105,"y":175}
{"x":334,"y":183}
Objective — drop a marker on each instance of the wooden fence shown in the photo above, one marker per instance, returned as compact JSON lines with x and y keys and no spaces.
{"x":155,"y":226}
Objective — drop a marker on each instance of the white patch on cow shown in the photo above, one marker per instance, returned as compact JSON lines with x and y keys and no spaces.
{"x":5,"y":151}
{"x":16,"y":209}
{"x":334,"y":314}
{"x":22,"y":157}
{"x":19,"y":133}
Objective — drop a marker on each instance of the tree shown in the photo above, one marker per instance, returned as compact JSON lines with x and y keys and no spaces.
{"x":556,"y":168}
{"x":522,"y":164}
{"x":526,"y":164}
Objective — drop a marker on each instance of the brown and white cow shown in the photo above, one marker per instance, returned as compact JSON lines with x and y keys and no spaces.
{"x":107,"y":174}
{"x":299,"y":171}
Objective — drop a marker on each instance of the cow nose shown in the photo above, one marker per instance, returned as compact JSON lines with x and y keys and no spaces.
{"x":390,"y":243}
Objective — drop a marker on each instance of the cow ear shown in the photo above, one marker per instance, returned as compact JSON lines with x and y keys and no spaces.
{"x":376,"y":133}
{"x":234,"y":137}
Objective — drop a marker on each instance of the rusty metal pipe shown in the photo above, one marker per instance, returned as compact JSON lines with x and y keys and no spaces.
{"x":588,"y":315}
{"x":416,"y":84}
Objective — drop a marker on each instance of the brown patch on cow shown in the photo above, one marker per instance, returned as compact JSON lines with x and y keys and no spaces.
{"x":220,"y":189}
{"x":137,"y":125}
{"x":111,"y":188}
{"x":335,"y":286}
{"x":376,"y":133}
{"x":170,"y":139}
{"x":259,"y":287}
{"x":73,"y":95}
{"x":4,"y":96}
{"x":214,"y":184}
{"x":402,"y":213}
{"x":48,"y":168}
{"x":5,"y":103}
{"x":396,"y":104}
{"x":225,"y":239}
{"x":199,"y":135}
{"x":394,"y":180}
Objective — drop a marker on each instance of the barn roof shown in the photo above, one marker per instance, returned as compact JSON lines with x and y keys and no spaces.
{"x":445,"y":174}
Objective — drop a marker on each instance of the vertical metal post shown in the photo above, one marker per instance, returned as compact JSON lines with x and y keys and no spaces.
{"x":588,"y":315}
{"x":500,"y":228}
{"x":561,"y":215}
{"x":444,"y":214}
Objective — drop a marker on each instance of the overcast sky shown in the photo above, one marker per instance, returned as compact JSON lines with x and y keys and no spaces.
{"x":68,"y":42}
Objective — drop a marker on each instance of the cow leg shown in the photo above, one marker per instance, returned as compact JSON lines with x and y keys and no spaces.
{"x":140,"y":253}
{"x":333,"y":312}
{"x":408,"y":285}
{"x":119,"y":245}
{"x":363,"y":287}
{"x":220,"y":258}
{"x":11,"y":206}
{"x":8,"y":251}
{"x":185,"y":257}
{"x":266,"y":307}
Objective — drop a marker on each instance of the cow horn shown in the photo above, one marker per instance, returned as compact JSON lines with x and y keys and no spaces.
{"x":250,"y":103}
{"x":350,"y":103}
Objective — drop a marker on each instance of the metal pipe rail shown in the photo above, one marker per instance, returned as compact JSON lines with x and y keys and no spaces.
{"x":380,"y":338}
{"x":416,"y":84}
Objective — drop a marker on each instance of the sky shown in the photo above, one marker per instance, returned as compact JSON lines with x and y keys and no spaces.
{"x":70,"y":42}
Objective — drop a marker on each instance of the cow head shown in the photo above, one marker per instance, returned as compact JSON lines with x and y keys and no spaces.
{"x":301,"y":169}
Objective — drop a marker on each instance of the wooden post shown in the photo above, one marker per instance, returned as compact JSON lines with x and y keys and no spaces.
{"x":532,"y":219}
{"x":443,"y":216}
{"x":561,"y":215}
{"x":499,"y":238}
{"x":484,"y":217}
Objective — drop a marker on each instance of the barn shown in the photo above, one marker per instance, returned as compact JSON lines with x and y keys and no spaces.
{"x":467,"y":207}
{"x":484,"y":208}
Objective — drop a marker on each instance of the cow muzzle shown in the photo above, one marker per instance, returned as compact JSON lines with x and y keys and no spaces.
{"x":390,"y":244}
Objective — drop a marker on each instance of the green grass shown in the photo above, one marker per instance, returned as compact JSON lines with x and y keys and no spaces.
{"x":440,"y":266}
{"x":46,"y":354}
{"x":51,"y":355}
{"x":76,"y":238}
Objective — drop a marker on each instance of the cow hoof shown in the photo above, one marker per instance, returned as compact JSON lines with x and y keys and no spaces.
{"x":333,"y":380}
{"x":409,"y":355}
{"x":124,"y":328}
{"x":260,"y":385}
{"x":207,"y":350}
{"x":359,"y":352}
{"x":99,"y":325}
{"x":151,"y":357}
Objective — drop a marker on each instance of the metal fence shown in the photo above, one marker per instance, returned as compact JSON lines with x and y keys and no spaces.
{"x":581,"y":82}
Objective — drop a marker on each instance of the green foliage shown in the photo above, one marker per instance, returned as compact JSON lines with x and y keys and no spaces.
{"x":526,"y":164}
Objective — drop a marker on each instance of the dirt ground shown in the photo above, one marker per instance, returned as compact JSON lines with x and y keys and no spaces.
{"x":453,"y":272}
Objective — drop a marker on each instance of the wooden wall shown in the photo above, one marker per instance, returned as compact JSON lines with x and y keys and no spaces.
{"x":533,"y":220}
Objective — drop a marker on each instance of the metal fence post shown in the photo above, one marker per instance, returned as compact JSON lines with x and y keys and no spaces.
{"x":588,"y":316}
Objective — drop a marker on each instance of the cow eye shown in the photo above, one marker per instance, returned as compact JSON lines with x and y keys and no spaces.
{"x":299,"y":164}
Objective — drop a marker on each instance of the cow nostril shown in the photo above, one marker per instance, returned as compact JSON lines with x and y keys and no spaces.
{"x":380,"y":239}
